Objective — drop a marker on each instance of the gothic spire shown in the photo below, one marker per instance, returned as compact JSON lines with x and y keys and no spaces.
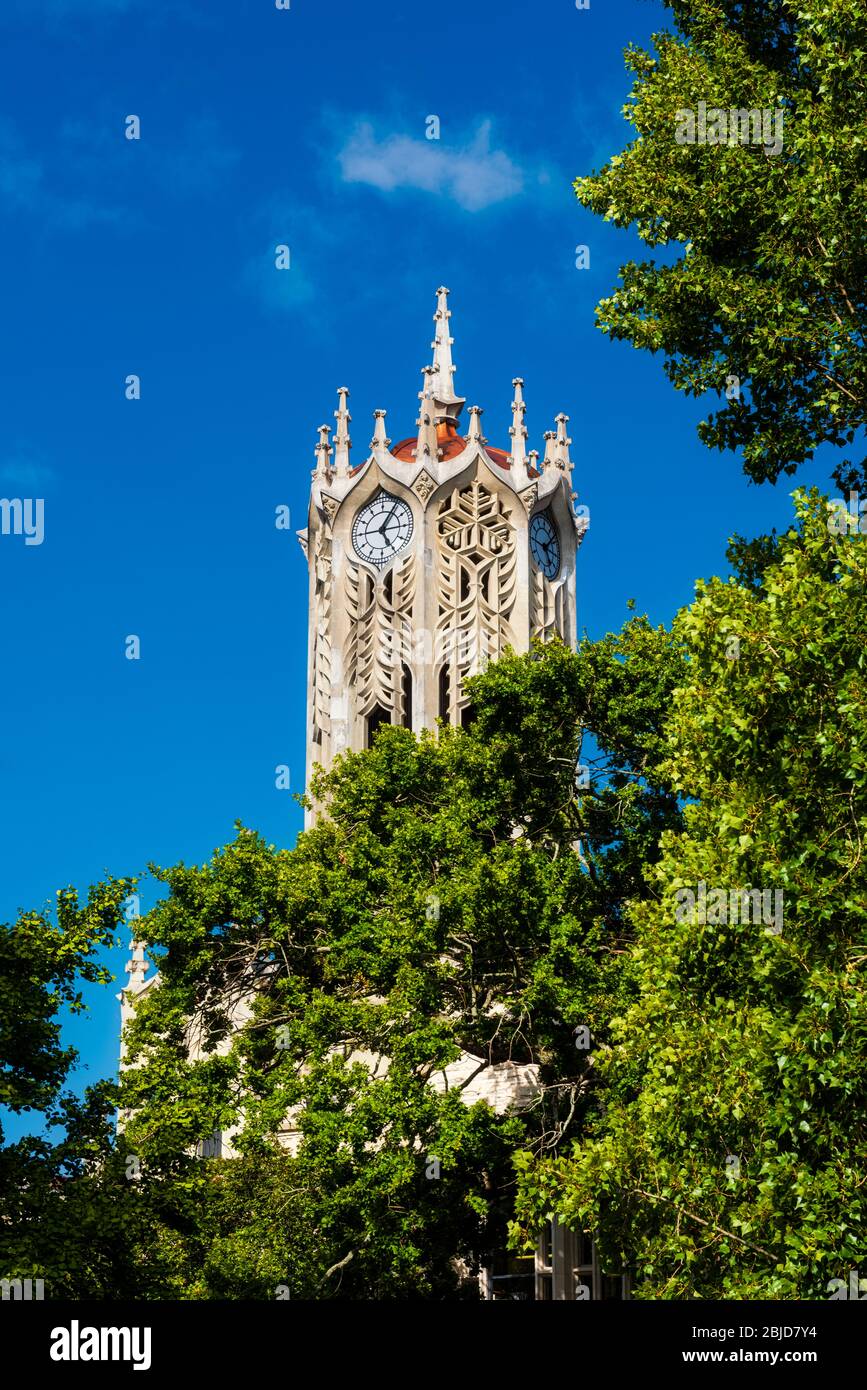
{"x":518,"y":431}
{"x":549,"y":457}
{"x":323,"y":452}
{"x":474,"y":433}
{"x":379,"y":440}
{"x":562,"y":451}
{"x":342,"y":442}
{"x":427,"y":447}
{"x":447,"y":406}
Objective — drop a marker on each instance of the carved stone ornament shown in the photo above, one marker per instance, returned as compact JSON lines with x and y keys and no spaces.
{"x":423,"y":485}
{"x":528,"y":497}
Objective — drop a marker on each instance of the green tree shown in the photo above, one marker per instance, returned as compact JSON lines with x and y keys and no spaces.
{"x":761,"y":295}
{"x":728,"y":1158}
{"x":62,"y":1204}
{"x":464,"y":895}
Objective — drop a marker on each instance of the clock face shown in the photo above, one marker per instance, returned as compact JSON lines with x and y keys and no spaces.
{"x":545,"y":544}
{"x":381,"y":529}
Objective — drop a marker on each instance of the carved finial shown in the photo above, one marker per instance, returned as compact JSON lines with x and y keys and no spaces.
{"x":518,"y":431}
{"x":379,"y":440}
{"x":533,"y":456}
{"x":342,"y":442}
{"x":550,"y":447}
{"x":136,"y":968}
{"x":562,"y":452}
{"x":426,"y":447}
{"x":447,"y":406}
{"x":323,"y":453}
{"x":474,"y":434}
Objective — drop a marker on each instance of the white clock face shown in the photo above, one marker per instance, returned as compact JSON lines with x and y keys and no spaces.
{"x":381,"y":529}
{"x":545,"y":544}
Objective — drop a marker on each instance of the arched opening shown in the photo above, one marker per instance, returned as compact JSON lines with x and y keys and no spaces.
{"x":445,"y":692}
{"x":406,"y":690}
{"x":375,"y":720}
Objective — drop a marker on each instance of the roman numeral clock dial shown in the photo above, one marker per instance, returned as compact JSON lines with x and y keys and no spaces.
{"x":382,"y":528}
{"x":545,"y":544}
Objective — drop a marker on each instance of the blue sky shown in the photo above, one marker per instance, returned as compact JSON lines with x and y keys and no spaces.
{"x":155,"y":257}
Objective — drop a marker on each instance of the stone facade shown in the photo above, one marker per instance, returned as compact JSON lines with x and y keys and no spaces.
{"x":429,"y":560}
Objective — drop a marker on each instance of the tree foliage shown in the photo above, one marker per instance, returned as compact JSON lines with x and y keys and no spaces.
{"x":460,"y":899}
{"x":767,"y":289}
{"x":63,"y":1207}
{"x":727,"y":1160}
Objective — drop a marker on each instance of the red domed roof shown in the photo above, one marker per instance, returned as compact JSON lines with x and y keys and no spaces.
{"x":451,"y":444}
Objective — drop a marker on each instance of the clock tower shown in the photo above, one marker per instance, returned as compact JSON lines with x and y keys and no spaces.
{"x":428,"y":559}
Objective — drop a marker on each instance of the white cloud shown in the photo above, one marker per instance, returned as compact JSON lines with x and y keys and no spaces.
{"x":277,"y":290}
{"x":473,"y":175}
{"x":24,"y":473}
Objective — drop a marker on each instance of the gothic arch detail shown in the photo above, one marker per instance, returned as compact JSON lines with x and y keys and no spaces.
{"x":476,"y":584}
{"x":379,"y":636}
{"x":548,"y":612}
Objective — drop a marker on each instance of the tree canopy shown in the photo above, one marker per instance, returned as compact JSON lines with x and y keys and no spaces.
{"x":761,"y":295}
{"x":62,"y":1205}
{"x":462,"y":898}
{"x":650,"y":847}
{"x":726,"y":1157}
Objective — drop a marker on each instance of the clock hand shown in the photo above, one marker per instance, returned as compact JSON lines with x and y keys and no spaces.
{"x":380,"y":530}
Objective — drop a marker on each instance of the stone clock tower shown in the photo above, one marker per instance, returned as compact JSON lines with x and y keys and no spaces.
{"x":429,"y":559}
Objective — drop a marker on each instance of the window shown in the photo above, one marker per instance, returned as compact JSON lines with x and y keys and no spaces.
{"x":545,"y":1265}
{"x":406,"y":688}
{"x":212,"y":1147}
{"x":508,"y":1278}
{"x":567,"y":1268}
{"x":375,"y":720}
{"x":445,"y":693}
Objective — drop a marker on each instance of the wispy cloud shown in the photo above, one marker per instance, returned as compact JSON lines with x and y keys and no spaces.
{"x":23,"y":188}
{"x":277,"y":291}
{"x":25,"y":474}
{"x":199,"y":162}
{"x":317,"y":252}
{"x":473,"y":174}
{"x":192,"y":159}
{"x":81,"y":182}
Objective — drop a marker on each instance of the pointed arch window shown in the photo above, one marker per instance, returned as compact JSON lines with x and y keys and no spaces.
{"x":406,"y":691}
{"x":445,"y":692}
{"x":378,"y":716}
